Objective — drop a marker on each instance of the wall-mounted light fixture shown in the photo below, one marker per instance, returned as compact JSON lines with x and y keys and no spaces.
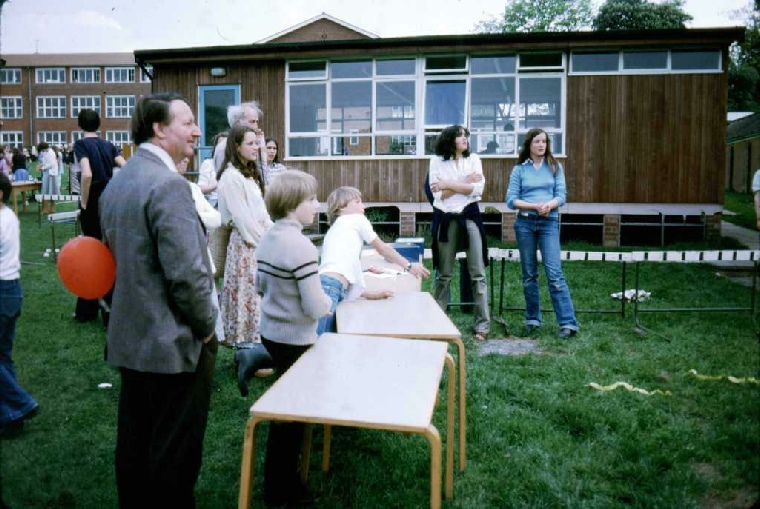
{"x":218,"y":72}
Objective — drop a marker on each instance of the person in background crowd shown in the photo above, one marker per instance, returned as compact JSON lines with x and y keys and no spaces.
{"x":16,"y":405}
{"x":246,"y":115}
{"x":207,"y":173}
{"x":161,"y":335}
{"x":272,"y":166}
{"x":457,"y":182}
{"x":96,"y":158}
{"x":536,"y":190}
{"x":47,"y":165}
{"x":6,"y":161}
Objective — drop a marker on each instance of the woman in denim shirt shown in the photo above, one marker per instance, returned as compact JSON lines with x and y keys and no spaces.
{"x":536,"y":190}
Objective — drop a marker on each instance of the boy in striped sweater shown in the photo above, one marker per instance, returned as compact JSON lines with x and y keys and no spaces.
{"x":292,"y":301}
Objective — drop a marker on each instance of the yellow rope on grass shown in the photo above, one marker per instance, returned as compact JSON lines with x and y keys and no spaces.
{"x":627,"y":386}
{"x":732,"y":379}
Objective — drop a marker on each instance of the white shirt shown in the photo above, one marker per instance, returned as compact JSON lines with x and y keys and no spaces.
{"x":457,"y":170}
{"x":241,"y":205}
{"x":10,"y":245}
{"x":48,"y":162}
{"x":161,"y":154}
{"x":207,"y":176}
{"x":756,"y":182}
{"x":342,"y":249}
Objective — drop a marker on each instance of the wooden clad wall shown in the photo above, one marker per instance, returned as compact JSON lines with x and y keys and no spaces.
{"x":263,"y":82}
{"x":646,"y":139}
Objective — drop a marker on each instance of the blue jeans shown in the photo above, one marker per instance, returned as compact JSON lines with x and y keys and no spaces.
{"x":334,"y":289}
{"x":15,"y":402}
{"x":542,"y":233}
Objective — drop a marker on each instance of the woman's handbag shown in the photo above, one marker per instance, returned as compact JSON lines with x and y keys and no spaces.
{"x":218,"y":240}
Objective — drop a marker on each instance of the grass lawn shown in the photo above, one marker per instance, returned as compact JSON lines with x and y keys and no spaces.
{"x":743,"y":205}
{"x":538,"y":436}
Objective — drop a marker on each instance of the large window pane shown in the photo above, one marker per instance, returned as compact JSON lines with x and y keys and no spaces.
{"x":351,"y":107}
{"x":492,"y":104}
{"x":404,"y":145}
{"x":444,"y":102}
{"x":645,"y":60}
{"x":540,"y":102}
{"x":695,"y":60}
{"x":351,"y":69}
{"x":307,"y":69}
{"x":309,"y":147}
{"x":215,"y":103}
{"x":308,"y":108}
{"x":493,"y":65}
{"x":596,"y":62}
{"x":395,"y":67}
{"x":494,"y":144}
{"x":351,"y":145}
{"x":395,"y":106}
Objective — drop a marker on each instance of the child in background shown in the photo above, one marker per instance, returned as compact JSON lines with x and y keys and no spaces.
{"x":291,"y":302}
{"x":340,"y":270}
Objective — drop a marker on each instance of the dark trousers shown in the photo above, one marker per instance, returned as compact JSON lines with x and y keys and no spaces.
{"x":159,"y":442}
{"x":87,"y":310}
{"x":285,"y":439}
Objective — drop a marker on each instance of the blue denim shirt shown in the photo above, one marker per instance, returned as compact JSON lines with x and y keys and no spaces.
{"x":536,"y":186}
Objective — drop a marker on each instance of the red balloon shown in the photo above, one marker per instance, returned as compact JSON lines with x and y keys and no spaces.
{"x":86,"y":267}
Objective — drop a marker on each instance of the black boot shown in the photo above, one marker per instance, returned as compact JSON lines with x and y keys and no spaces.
{"x":247,"y":362}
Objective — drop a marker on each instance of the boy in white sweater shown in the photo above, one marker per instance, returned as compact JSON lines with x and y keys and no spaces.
{"x":291,"y":302}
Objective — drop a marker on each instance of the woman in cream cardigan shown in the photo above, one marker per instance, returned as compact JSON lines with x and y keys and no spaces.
{"x":241,"y":204}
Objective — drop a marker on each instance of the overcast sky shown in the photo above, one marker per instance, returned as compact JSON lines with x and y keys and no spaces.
{"x":79,"y":26}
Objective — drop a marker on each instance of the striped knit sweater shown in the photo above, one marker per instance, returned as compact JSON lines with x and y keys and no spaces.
{"x":287,"y":279}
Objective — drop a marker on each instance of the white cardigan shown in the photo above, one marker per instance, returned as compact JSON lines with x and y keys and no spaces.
{"x":241,"y":205}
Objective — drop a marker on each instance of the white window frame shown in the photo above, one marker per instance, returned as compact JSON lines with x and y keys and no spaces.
{"x":118,"y":138}
{"x":12,"y":138}
{"x":17,"y":108}
{"x":115,"y":111}
{"x":10,"y":76}
{"x":92,"y":102}
{"x":45,"y":75}
{"x":421,"y":78}
{"x":52,"y":137}
{"x":91,"y":74}
{"x":113,"y":74}
{"x":50,"y":110}
{"x":668,"y":69}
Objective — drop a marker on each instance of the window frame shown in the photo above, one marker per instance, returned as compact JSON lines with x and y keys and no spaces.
{"x":110,"y":113}
{"x":109,"y":74}
{"x":18,"y":136}
{"x":12,"y":71}
{"x":111,"y":136}
{"x":18,"y":107}
{"x":52,"y":140}
{"x":76,"y":109}
{"x":94,"y":70}
{"x":40,"y":72}
{"x":621,"y":71}
{"x":44,"y":108}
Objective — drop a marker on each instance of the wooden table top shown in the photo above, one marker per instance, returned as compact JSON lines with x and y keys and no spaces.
{"x":405,"y":315}
{"x":26,"y":185}
{"x":362,"y":381}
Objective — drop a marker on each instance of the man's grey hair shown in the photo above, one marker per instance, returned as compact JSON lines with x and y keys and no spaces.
{"x":236,"y":112}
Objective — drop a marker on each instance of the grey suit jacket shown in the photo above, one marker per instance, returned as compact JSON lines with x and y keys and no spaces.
{"x":161,"y":306}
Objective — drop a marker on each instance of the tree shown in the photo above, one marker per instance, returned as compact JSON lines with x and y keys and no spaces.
{"x":744,"y":66}
{"x":640,"y":15}
{"x":540,"y":16}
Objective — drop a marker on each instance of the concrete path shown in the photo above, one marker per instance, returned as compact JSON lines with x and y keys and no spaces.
{"x":749,"y":238}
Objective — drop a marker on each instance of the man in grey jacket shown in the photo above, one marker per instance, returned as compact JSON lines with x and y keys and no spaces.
{"x":160,"y":334}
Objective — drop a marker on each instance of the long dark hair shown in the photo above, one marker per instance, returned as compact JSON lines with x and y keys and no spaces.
{"x":525,"y":150}
{"x":277,"y":155}
{"x":445,"y":146}
{"x":249,"y":169}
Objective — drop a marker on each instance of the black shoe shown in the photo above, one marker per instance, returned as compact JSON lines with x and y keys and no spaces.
{"x":531,"y":330}
{"x":247,"y":362}
{"x":566,"y":333}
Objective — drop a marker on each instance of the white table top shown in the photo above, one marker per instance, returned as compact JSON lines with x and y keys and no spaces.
{"x":362,"y":381}
{"x":405,"y":315}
